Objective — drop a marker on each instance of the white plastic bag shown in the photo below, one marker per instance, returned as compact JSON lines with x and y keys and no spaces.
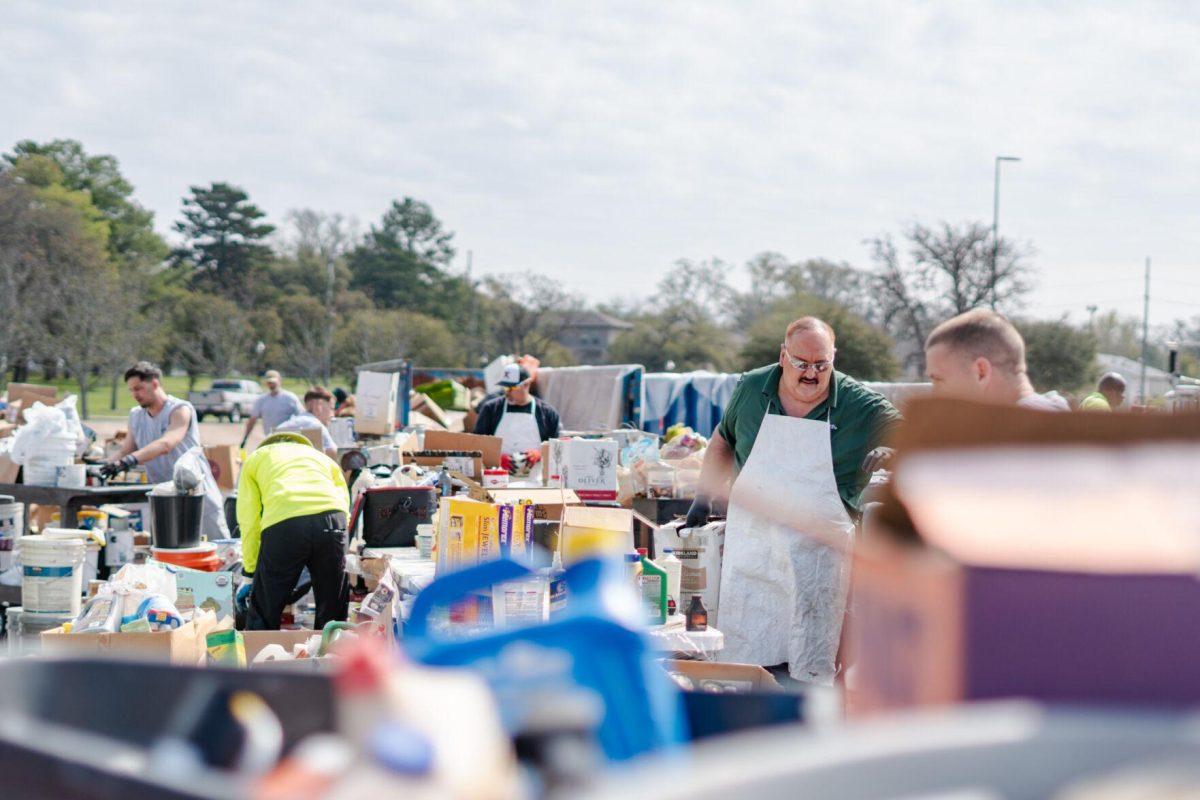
{"x":46,"y":436}
{"x":189,"y":471}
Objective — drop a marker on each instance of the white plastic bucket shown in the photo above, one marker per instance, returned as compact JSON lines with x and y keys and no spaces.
{"x":12,"y":525}
{"x":52,"y":574}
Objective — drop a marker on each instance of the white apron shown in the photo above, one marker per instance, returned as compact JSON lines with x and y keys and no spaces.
{"x":785,"y":574}
{"x":519,"y":431}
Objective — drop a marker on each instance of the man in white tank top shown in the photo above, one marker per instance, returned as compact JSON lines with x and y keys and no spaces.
{"x":162,"y":429}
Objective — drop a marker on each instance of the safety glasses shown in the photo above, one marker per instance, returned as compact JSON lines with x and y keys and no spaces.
{"x":804,"y":366}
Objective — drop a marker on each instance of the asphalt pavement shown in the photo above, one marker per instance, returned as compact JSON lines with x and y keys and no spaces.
{"x":211,"y":433}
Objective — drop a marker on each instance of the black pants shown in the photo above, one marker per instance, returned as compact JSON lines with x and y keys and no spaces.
{"x":317,"y":541}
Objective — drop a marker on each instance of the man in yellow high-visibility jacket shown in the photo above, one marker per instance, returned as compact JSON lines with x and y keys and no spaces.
{"x":291,"y":507}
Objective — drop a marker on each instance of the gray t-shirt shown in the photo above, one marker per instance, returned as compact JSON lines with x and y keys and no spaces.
{"x":275,"y":409}
{"x":1050,"y":401}
{"x":307,"y":422}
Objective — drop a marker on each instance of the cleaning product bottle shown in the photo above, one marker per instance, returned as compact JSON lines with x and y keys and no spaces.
{"x":697,"y":615}
{"x":633,"y":569}
{"x":674,"y":569}
{"x":654,"y":592}
{"x":557,"y":586}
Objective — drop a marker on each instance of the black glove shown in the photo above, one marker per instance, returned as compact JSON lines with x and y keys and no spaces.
{"x":114,"y":468}
{"x":698,"y":514}
{"x":879,"y":458}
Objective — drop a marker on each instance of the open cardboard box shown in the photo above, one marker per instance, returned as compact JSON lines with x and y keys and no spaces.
{"x":731,"y":677}
{"x":183,"y":645}
{"x":548,"y":502}
{"x":446,"y":440}
{"x":23,"y":395}
{"x":1026,"y":554}
{"x":434,"y":459}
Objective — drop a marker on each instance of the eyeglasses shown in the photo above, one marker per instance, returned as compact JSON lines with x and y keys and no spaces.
{"x":804,"y":366}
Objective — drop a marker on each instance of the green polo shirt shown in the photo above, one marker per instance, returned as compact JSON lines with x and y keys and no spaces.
{"x":860,"y":420}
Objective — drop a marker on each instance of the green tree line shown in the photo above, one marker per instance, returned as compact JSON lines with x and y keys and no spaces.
{"x":87,"y":285}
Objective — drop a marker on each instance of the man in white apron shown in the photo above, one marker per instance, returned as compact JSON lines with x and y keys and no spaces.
{"x":795,"y":436}
{"x":162,"y":430}
{"x":517,"y":417}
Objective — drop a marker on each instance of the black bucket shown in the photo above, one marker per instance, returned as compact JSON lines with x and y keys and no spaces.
{"x":235,"y":532}
{"x":175,"y":520}
{"x":391,"y":514}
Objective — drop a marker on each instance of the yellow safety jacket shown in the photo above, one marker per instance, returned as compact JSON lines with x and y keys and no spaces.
{"x":285,"y":477}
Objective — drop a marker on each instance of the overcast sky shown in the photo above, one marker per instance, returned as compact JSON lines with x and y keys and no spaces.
{"x":599,"y":142}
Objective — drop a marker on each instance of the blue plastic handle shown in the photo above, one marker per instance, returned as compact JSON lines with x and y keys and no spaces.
{"x":456,"y":586}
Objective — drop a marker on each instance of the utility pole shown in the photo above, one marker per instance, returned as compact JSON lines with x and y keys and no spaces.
{"x":1145,"y":330}
{"x":996,"y":223}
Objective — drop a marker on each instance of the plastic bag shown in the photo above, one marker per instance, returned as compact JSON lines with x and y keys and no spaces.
{"x":189,"y":471}
{"x":46,"y":435}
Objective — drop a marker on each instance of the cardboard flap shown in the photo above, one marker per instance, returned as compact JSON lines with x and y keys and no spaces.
{"x":936,"y":423}
{"x":445,"y":440}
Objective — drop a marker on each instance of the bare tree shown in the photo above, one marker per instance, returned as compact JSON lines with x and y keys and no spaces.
{"x":318,"y":243}
{"x":528,"y":312}
{"x":948,"y":271}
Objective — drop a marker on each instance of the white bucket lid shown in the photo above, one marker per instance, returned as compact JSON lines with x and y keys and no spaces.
{"x":50,"y":541}
{"x":67,"y":533}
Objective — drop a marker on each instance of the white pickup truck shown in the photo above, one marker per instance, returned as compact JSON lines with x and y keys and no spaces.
{"x":230,"y":398}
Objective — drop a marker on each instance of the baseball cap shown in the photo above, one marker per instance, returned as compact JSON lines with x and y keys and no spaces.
{"x":272,"y":375}
{"x":513,"y":375}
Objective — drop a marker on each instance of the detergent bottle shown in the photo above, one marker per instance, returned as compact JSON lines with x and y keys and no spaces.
{"x":674,"y":569}
{"x":654,"y":592}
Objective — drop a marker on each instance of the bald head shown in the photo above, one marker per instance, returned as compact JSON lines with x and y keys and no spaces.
{"x":1112,"y":386}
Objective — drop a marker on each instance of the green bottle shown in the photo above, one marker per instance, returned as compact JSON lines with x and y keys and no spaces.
{"x":654,"y":592}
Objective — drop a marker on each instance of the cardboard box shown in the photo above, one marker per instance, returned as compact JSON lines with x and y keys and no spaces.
{"x":375,"y":399}
{"x":226,"y":465}
{"x":994,"y":571}
{"x":490,"y":446}
{"x":314,"y":436}
{"x":595,"y":532}
{"x":727,"y":677}
{"x":589,"y":466}
{"x":26,"y":394}
{"x":467,"y":467}
{"x":552,"y":453}
{"x":548,"y":504}
{"x":184,"y":645}
{"x":9,"y":470}
{"x":255,"y":641}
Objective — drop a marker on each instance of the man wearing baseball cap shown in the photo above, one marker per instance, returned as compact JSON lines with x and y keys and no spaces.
{"x":522,"y":421}
{"x":274,"y":407}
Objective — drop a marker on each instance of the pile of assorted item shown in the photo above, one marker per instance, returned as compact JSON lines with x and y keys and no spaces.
{"x":531,"y":625}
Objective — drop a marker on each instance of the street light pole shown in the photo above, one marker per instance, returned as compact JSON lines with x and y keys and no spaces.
{"x":996,"y":223}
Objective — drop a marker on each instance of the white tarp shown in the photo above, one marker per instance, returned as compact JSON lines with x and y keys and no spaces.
{"x":586,"y":398}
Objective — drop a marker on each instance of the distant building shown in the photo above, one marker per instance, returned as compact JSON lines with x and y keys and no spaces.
{"x":1158,"y":381}
{"x":589,"y":334}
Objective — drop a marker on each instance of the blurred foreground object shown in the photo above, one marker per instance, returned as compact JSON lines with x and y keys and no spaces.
{"x":1023,"y":554}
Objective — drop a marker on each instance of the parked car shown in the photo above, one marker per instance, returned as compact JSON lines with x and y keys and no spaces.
{"x":230,"y":398}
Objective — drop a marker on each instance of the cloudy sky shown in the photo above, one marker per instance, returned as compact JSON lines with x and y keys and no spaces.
{"x":599,"y":142}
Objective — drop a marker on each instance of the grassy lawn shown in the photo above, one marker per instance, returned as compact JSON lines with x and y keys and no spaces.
{"x":100,"y":397}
